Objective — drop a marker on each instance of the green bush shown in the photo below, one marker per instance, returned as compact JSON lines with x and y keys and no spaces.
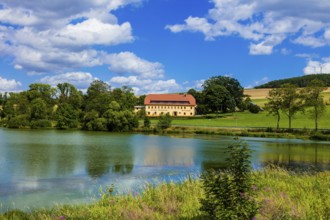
{"x":146,"y":122}
{"x":253,"y":108}
{"x":164,"y":122}
{"x":42,"y":123}
{"x":229,"y":193}
{"x":20,"y":121}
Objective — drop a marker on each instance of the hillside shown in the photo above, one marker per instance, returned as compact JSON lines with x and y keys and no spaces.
{"x":301,"y":81}
{"x":263,"y":93}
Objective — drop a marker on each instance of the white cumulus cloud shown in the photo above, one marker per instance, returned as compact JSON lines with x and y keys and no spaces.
{"x":146,"y":86}
{"x":129,"y":63}
{"x":317,"y":67}
{"x":266,"y":24}
{"x":9,"y":85}
{"x":45,"y":36}
{"x":79,"y":79}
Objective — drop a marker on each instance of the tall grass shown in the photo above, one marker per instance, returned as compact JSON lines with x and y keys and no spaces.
{"x":291,"y":195}
{"x":281,"y":194}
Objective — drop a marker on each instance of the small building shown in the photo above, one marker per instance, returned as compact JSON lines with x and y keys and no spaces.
{"x":183,"y":105}
{"x":138,"y":108}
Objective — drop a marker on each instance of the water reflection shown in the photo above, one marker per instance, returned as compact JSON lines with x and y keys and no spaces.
{"x":297,"y":155}
{"x":38,"y":168}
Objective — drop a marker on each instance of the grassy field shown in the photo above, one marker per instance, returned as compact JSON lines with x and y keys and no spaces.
{"x":247,"y":119}
{"x":280,"y":194}
{"x":259,"y":96}
{"x":262,"y":119}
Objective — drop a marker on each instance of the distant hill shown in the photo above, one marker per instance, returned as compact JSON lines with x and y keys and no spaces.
{"x":301,"y":81}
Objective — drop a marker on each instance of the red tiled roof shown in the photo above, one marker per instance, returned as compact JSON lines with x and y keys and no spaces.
{"x":170,"y":99}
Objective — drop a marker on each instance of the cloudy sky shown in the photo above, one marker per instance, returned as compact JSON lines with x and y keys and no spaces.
{"x":157,"y":46}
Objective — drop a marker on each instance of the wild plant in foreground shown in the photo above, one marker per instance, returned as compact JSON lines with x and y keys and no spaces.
{"x":229,"y":193}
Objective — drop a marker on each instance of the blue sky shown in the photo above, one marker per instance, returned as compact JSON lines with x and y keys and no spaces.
{"x":160,"y":46}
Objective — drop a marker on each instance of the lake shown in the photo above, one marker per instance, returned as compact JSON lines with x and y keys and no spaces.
{"x":40,"y":168}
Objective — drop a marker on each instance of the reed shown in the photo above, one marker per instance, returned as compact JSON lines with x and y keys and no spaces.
{"x":281,"y":194}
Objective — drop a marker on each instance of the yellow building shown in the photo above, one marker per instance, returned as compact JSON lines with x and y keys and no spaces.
{"x":183,"y":105}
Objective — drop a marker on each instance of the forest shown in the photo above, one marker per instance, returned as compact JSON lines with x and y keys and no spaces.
{"x":301,"y":81}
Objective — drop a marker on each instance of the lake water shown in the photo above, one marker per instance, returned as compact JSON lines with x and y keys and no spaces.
{"x":40,"y":168}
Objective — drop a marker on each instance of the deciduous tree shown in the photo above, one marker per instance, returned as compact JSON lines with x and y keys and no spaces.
{"x":291,"y":102}
{"x":223,"y":93}
{"x":274,"y":104}
{"x":313,"y":98}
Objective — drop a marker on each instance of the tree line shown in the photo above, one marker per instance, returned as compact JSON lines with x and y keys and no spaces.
{"x":301,"y":81}
{"x":289,"y":100}
{"x":101,"y":108}
{"x":106,"y":109}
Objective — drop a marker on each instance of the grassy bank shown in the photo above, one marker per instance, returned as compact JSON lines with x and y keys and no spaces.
{"x":280,"y":193}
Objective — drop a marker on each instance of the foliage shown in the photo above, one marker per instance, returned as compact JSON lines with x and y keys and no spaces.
{"x":253,"y":108}
{"x":41,"y":123}
{"x":228,"y":193}
{"x":38,"y":109}
{"x":146,"y":122}
{"x":219,"y":99}
{"x":164,"y":121}
{"x":312,"y":96}
{"x":98,"y":97}
{"x":125,"y":97}
{"x":229,"y":91}
{"x":120,"y":120}
{"x":301,"y":81}
{"x":92,"y":122}
{"x":200,"y":100}
{"x":42,"y":91}
{"x":20,"y":121}
{"x":274,"y":104}
{"x":66,"y":116}
{"x":291,"y":102}
{"x":69,"y":94}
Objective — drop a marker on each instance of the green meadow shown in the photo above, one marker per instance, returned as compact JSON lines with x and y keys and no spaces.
{"x":250,"y":120}
{"x":262,"y":119}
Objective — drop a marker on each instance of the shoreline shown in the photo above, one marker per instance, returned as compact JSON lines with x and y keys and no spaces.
{"x":280,"y":193}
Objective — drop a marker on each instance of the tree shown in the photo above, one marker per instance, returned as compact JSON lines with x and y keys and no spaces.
{"x":69,"y":94}
{"x":291,"y":103}
{"x":274,"y":104}
{"x":313,"y":98}
{"x":43,"y":91}
{"x":98,"y":97}
{"x":140,"y":100}
{"x":218,"y":99}
{"x":125,"y":97}
{"x":38,"y":109}
{"x":226,"y":91}
{"x":92,"y":122}
{"x":164,"y":121}
{"x":146,"y":122}
{"x":66,"y":116}
{"x":120,"y":120}
{"x":200,"y":100}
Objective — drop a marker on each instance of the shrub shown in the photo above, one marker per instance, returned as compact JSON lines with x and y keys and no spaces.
{"x":253,"y":108}
{"x":42,"y":123}
{"x":146,"y":122}
{"x":229,"y":193}
{"x":164,"y":122}
{"x":20,"y":121}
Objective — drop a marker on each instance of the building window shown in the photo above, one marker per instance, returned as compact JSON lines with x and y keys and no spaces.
{"x":148,"y":113}
{"x":184,"y":113}
{"x":190,"y":113}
